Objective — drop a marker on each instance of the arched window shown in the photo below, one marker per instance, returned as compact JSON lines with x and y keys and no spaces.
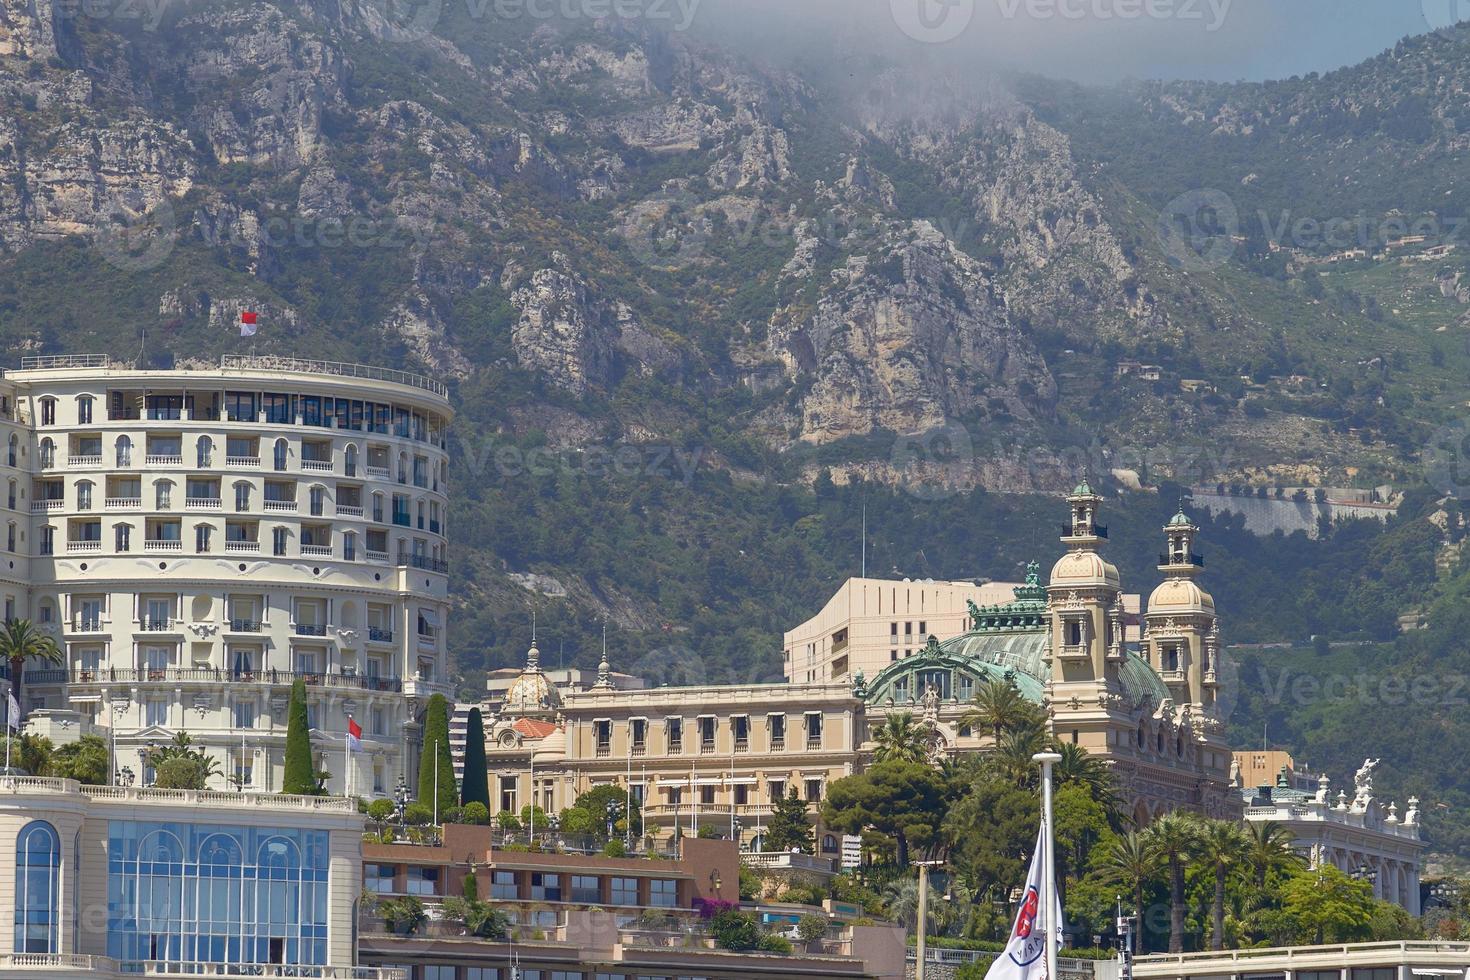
{"x":37,"y":874}
{"x":351,"y":459}
{"x":349,"y":546}
{"x":10,"y":494}
{"x":378,"y":507}
{"x":279,"y":455}
{"x":206,"y":452}
{"x":48,"y":411}
{"x":10,"y":536}
{"x":84,"y":495}
{"x":124,"y":451}
{"x":84,"y":409}
{"x":829,"y":844}
{"x":163,"y":492}
{"x":14,"y":449}
{"x":48,"y":454}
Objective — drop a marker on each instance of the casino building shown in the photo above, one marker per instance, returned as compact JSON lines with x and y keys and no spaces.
{"x":197,"y":539}
{"x":723,"y":755}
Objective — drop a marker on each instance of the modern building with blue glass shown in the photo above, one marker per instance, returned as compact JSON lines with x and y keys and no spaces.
{"x":115,"y":881}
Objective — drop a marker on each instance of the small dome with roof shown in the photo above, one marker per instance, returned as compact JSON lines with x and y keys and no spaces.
{"x":532,"y":691}
{"x":1180,"y":595}
{"x":1084,"y":568}
{"x":1180,"y":519}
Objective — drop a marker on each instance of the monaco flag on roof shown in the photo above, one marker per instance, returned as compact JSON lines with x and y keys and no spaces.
{"x":1025,"y":953}
{"x":247,"y":323}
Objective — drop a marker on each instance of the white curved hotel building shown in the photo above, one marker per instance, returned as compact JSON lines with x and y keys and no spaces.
{"x":198,"y":539}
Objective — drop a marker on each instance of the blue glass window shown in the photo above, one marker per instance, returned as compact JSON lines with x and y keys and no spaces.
{"x":37,"y":875}
{"x":216,"y":894}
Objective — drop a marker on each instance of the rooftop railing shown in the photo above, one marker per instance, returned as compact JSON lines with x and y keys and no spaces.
{"x":301,"y":365}
{"x":42,"y":362}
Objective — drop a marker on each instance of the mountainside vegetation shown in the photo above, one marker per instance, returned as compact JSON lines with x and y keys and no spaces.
{"x":698,"y":309}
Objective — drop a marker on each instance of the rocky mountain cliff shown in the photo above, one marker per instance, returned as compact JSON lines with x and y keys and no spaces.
{"x":614,"y":234}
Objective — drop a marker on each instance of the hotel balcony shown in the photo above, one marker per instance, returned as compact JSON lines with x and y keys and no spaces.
{"x":46,"y":506}
{"x":310,"y":629}
{"x":316,"y":551}
{"x":316,"y":465}
{"x":378,"y":635}
{"x":280,"y":506}
{"x":23,"y":965}
{"x":203,"y":503}
{"x":162,"y":544}
{"x":107,"y":676}
{"x":163,"y":459}
{"x":89,"y":460}
{"x":123,"y":503}
{"x":83,"y":546}
{"x":345,"y":511}
{"x":242,"y":547}
{"x":234,"y":461}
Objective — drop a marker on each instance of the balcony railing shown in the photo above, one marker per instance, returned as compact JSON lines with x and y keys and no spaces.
{"x":381,"y":557}
{"x":316,"y":551}
{"x":123,"y":503}
{"x":378,"y":635}
{"x":245,"y":626}
{"x":814,"y":743}
{"x":242,"y":461}
{"x":43,"y":506}
{"x":1198,"y":561}
{"x":203,"y":503}
{"x":310,"y":629}
{"x":83,"y":546}
{"x":280,"y":505}
{"x":742,"y":745}
{"x":707,"y":746}
{"x":778,"y":743}
{"x":213,"y":675}
{"x":316,"y":465}
{"x":298,"y":365}
{"x":162,"y":544}
{"x":151,"y":625}
{"x":164,"y":459}
{"x":242,"y":547}
{"x":347,"y":510}
{"x":1098,"y":531}
{"x":402,"y":520}
{"x":425,"y":562}
{"x":89,"y":459}
{"x":381,"y":472}
{"x":86,"y":625}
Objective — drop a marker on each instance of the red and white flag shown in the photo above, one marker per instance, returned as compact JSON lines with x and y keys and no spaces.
{"x":1025,"y":953}
{"x":247,"y":323}
{"x":354,"y":735}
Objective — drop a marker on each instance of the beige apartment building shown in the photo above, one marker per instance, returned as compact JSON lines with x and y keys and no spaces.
{"x":199,"y":538}
{"x":870,"y":623}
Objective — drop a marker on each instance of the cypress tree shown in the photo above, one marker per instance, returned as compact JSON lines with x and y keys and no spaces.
{"x":476,"y":786}
{"x":436,"y":733}
{"x":300,"y":778}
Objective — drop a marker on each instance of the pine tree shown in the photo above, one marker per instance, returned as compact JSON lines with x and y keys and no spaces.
{"x":300,"y":778}
{"x":437,"y":754}
{"x":476,"y":786}
{"x":790,"y":830}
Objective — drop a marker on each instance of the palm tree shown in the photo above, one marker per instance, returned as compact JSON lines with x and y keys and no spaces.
{"x":1081,"y":767}
{"x":1134,"y":862}
{"x":21,"y":641}
{"x":1014,"y":752}
{"x":1226,"y":849}
{"x":1176,"y":836}
{"x":1000,"y":706}
{"x":1269,"y":849}
{"x":901,"y":740}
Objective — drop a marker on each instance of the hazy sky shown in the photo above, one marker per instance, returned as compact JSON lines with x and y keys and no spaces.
{"x":1092,"y":40}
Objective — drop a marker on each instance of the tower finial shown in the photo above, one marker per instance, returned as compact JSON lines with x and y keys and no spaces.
{"x":604,"y":669}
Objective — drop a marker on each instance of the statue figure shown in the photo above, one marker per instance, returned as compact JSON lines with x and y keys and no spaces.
{"x":859,"y":686}
{"x":1364,"y":780}
{"x":1235,"y":774}
{"x":931,"y":705}
{"x":974,"y":613}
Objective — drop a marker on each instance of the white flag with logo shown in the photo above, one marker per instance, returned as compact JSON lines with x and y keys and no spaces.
{"x":1025,"y":953}
{"x":12,"y":712}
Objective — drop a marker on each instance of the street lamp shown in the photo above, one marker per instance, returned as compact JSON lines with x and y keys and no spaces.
{"x":612,"y":816}
{"x":125,"y":776}
{"x":400,"y":803}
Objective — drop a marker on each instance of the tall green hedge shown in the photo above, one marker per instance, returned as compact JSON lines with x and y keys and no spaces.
{"x":300,"y":771}
{"x":436,"y":733}
{"x":476,"y":785}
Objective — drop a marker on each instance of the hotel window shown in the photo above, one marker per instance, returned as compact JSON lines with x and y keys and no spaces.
{"x":776,"y":725}
{"x":204,"y":452}
{"x":124,"y":450}
{"x":707,"y":727}
{"x":201,"y":537}
{"x":244,"y":714}
{"x":545,"y":887}
{"x":155,"y":712}
{"x":84,"y":495}
{"x":478,"y":972}
{"x":624,"y":891}
{"x":278,"y":455}
{"x":279,"y":409}
{"x":163,"y":492}
{"x":439,"y":973}
{"x":48,"y":411}
{"x":279,"y":538}
{"x":602,"y":733}
{"x":740,"y":724}
{"x":503,"y":886}
{"x":10,"y":536}
{"x":742,"y":794}
{"x":814,"y":791}
{"x":84,"y":409}
{"x":240,"y":406}
{"x":674,"y":730}
{"x":242,"y":497}
{"x":663,"y":893}
{"x":122,"y":537}
{"x":586,"y":889}
{"x":48,"y":453}
{"x":37,"y":874}
{"x":813,"y":730}
{"x":776,"y":789}
{"x":706,"y":796}
{"x":923,"y":628}
{"x":638,"y":729}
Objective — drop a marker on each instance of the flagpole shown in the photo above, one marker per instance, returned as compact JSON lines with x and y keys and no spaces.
{"x":347,"y":760}
{"x":1049,"y":865}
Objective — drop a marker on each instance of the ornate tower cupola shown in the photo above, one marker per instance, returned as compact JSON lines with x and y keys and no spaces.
{"x":1183,"y":635}
{"x":1085,"y":605}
